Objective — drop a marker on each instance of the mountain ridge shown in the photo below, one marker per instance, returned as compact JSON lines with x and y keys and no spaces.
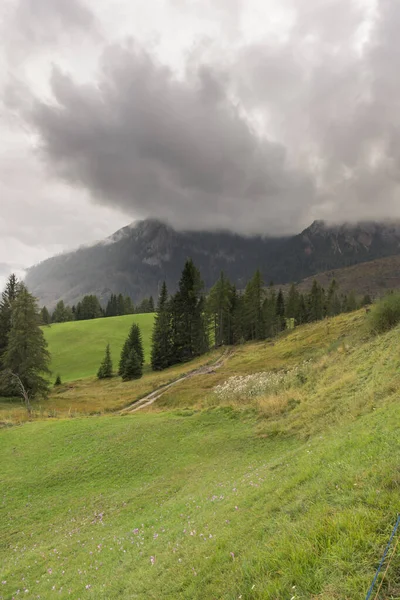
{"x":137,"y":258}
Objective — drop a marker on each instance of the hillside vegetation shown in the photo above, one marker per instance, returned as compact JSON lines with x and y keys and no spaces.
{"x":374,"y":278}
{"x":77,"y":347}
{"x":234,"y":484}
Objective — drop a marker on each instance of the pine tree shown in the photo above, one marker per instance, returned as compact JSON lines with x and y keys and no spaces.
{"x":190,"y":336}
{"x":292,"y":303}
{"x":8,"y":297}
{"x":219,"y":307}
{"x":333,"y":301}
{"x":58,"y":381}
{"x":61,"y":314}
{"x":120,"y":305}
{"x":133,"y":368}
{"x":269,"y":313}
{"x":161,"y":348}
{"x":124,"y":357}
{"x":237,"y":318}
{"x":45,"y":316}
{"x":27,"y":357}
{"x":253,"y":308}
{"x":151,"y":304}
{"x":280,"y":311}
{"x":106,"y":368}
{"x":316,"y":302}
{"x":133,"y":342}
{"x":128,"y":306}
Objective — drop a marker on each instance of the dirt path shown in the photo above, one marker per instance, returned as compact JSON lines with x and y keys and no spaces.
{"x":156,"y":394}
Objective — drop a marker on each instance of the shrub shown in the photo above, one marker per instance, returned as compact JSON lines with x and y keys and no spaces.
{"x":385,"y":314}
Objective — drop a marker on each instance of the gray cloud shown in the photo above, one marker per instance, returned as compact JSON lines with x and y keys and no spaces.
{"x":264,"y":137}
{"x":41,"y":22}
{"x":153,"y":145}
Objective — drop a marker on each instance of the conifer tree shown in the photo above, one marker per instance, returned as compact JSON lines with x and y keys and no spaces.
{"x":161,"y":348}
{"x":219,"y":307}
{"x":237,"y":318}
{"x":45,"y":316}
{"x":128,"y":306}
{"x":253,"y":308}
{"x":333,"y":301}
{"x":280,"y":311}
{"x":316,"y":302}
{"x":61,"y":313}
{"x":292,"y":303}
{"x":133,"y":342}
{"x":133,"y":368}
{"x":106,"y":368}
{"x":151,"y":304}
{"x":269,"y":312}
{"x":58,"y":381}
{"x":27,"y":357}
{"x":190,"y":337}
{"x":8,"y":297}
{"x":120,"y":305}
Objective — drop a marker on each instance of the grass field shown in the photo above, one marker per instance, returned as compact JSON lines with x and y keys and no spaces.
{"x":290,"y":494}
{"x":77,"y":348}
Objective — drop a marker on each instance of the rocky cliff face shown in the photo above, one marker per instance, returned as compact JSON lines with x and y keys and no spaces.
{"x":136,"y":259}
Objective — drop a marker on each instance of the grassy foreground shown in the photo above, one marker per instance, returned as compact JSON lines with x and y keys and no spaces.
{"x":290,"y":494}
{"x":77,"y":348}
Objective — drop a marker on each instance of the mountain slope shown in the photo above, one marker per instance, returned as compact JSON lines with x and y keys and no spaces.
{"x":374,"y":278}
{"x":136,"y":259}
{"x":289,"y":494}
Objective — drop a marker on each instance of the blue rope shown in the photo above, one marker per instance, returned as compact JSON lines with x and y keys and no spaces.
{"x":383,"y":558}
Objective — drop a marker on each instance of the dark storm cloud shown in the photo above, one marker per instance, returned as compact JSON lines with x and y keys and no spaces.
{"x":192,"y":150}
{"x":180,"y":150}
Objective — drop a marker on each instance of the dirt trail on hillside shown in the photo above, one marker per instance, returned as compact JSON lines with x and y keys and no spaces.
{"x":156,"y":394}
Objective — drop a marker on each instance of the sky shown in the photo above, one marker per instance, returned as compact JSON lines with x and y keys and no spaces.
{"x":257,"y":116}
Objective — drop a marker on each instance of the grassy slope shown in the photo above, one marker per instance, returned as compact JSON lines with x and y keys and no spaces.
{"x":77,"y":348}
{"x":303,"y":494}
{"x":375,"y":278}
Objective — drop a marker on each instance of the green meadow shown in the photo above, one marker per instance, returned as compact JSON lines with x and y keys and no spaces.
{"x":77,"y":348}
{"x":288,"y":494}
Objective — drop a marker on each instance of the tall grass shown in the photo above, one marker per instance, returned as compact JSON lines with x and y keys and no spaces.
{"x":385,"y":314}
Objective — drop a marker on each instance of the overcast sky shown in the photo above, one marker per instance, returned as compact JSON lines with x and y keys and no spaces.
{"x":254,"y":115}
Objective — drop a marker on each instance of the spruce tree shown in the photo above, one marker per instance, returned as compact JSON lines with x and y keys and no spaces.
{"x":8,"y":297}
{"x":219,"y":306}
{"x":253,"y":307}
{"x":27,"y":357}
{"x":269,"y":313}
{"x":292,"y":303}
{"x":61,"y":314}
{"x":333,"y":301}
{"x":120,"y":305}
{"x":133,"y":368}
{"x":58,"y":381}
{"x":133,"y":342}
{"x":151,"y":304}
{"x":128,"y":306}
{"x":190,"y":336}
{"x":45,"y":316}
{"x":280,"y":311}
{"x":161,"y":348}
{"x":106,"y":368}
{"x":316,"y":302}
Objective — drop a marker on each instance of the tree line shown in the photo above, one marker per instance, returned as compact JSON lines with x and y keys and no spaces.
{"x":187,"y":322}
{"x":90,"y":308}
